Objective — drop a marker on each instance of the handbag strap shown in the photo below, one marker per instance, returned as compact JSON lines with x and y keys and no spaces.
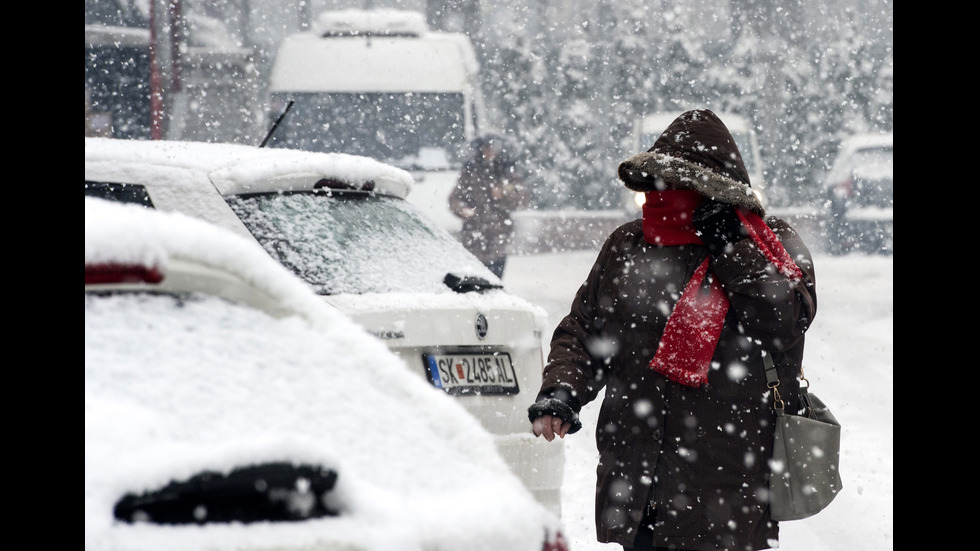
{"x":772,"y":381}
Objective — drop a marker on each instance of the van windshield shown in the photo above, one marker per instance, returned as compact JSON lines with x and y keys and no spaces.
{"x":409,"y":130}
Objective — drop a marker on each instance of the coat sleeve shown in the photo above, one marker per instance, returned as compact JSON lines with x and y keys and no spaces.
{"x":459,"y":199}
{"x":767,"y":304}
{"x":571,"y":368}
{"x":515,"y":194}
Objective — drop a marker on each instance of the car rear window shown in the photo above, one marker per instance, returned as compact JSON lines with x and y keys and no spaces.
{"x":124,"y":193}
{"x":355,"y":242}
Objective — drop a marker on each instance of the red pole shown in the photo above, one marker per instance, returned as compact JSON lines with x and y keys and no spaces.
{"x":176,"y":39}
{"x":156,"y":81}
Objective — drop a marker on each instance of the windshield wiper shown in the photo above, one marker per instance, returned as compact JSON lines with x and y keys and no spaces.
{"x":467,"y":284}
{"x":276,"y":124}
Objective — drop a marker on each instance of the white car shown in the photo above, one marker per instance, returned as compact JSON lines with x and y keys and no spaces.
{"x":226,"y":407}
{"x":341,"y":223}
{"x":860,"y":194}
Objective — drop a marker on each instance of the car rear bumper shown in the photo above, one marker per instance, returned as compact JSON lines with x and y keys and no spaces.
{"x":538,"y":463}
{"x":866,"y":229}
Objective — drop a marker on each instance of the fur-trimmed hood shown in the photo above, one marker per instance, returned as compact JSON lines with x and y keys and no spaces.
{"x":695,"y":152}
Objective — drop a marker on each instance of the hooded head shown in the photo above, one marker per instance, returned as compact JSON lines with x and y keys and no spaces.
{"x":493,"y":148}
{"x":695,"y":152}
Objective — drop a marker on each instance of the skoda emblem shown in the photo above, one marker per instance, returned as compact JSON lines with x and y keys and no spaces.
{"x":481,"y":326}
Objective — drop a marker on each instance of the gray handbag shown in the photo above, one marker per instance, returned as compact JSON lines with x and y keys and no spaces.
{"x":806,"y":454}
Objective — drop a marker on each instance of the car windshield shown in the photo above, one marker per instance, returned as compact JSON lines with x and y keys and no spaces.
{"x":871,"y":171}
{"x":355,"y":242}
{"x":873,"y":163}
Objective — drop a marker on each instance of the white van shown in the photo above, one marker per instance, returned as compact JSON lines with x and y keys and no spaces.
{"x":380,"y":84}
{"x":647,"y":129}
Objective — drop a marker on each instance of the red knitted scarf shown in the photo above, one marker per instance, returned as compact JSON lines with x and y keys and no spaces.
{"x":691,"y":334}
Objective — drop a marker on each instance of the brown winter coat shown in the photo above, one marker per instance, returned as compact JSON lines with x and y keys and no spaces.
{"x":487,"y":232}
{"x":699,"y":455}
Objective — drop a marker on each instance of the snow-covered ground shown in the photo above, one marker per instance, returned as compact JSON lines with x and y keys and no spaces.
{"x":849,"y":365}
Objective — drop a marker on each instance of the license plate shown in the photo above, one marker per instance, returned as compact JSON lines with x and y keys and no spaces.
{"x":477,"y":373}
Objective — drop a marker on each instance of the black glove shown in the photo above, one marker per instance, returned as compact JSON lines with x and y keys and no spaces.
{"x":558,"y":404}
{"x":718,"y":225}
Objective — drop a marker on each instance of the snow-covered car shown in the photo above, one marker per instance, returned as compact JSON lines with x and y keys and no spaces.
{"x":341,"y":223}
{"x":859,"y":193}
{"x":227,"y":407}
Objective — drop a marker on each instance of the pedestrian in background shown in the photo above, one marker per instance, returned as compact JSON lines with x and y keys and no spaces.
{"x":489,"y":188}
{"x":672,"y":321}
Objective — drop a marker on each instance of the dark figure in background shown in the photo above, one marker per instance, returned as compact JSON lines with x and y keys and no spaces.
{"x":490,"y":187}
{"x":672,"y":320}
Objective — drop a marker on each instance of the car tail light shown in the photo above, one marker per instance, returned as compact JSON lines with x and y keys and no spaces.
{"x":121,"y":273}
{"x":557,"y":543}
{"x":844,"y":189}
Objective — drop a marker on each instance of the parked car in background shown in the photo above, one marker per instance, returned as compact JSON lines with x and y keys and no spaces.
{"x":342,"y":224}
{"x":648,"y":128}
{"x":227,"y":407}
{"x":859,"y":193}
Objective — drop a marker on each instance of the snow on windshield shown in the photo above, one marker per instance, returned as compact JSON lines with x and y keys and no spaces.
{"x":356,"y":243}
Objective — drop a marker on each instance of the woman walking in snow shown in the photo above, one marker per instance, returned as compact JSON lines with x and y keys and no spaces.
{"x":672,"y":322}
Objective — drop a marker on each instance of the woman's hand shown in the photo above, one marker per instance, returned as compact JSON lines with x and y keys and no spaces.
{"x":549,"y":426}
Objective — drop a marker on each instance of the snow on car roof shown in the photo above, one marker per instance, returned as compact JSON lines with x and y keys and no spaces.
{"x":865,"y":141}
{"x":239,"y":168}
{"x":122,"y":233}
